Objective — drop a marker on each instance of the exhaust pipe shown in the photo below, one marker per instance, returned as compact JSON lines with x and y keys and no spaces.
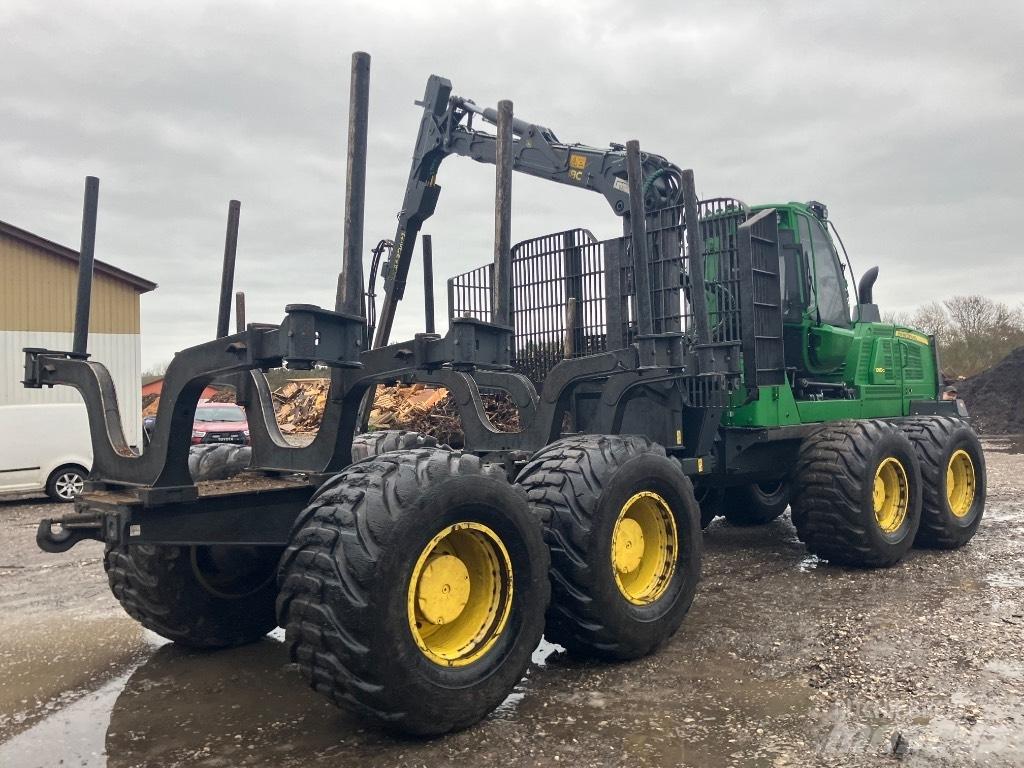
{"x":867,"y":310}
{"x":866,"y":286}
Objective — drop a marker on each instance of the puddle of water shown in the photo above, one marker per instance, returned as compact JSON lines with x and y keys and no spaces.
{"x":546,"y":651}
{"x":809,"y":563}
{"x":49,"y":664}
{"x":1013,"y":444}
{"x":79,"y":730}
{"x":178,"y":707}
{"x":182,"y":707}
{"x":932,"y":737}
{"x":1004,"y":580}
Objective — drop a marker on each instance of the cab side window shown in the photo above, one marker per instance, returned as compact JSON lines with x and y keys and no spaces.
{"x":790,"y":273}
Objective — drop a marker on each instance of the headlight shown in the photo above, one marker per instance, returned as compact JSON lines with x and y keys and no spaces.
{"x":245,"y":432}
{"x":198,"y":433}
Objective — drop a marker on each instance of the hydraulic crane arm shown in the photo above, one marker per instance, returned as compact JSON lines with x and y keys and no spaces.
{"x":447,"y":129}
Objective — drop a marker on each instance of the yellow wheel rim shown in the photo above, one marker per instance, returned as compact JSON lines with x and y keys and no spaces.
{"x":961,"y":483}
{"x":460,"y":594}
{"x":644,"y":548}
{"x":891,"y":495}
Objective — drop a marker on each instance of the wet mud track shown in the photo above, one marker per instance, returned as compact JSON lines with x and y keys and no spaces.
{"x":783,"y":660}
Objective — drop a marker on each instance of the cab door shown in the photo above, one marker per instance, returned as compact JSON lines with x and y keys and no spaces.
{"x":828,"y":334}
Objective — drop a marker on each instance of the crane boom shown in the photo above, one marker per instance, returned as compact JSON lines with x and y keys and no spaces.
{"x":447,"y":129}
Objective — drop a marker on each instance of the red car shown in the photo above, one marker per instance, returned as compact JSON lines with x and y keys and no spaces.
{"x":220,"y":423}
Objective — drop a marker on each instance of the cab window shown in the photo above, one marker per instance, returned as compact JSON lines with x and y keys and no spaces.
{"x":829,"y":282}
{"x":789,"y":276}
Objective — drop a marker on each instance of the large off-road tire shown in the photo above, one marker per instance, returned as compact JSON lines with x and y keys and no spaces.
{"x":414,"y":589}
{"x":368,"y":444}
{"x":217,"y":462}
{"x":200,"y":597}
{"x":953,"y":477}
{"x":710,"y":500}
{"x":857,"y":493}
{"x":204,"y":596}
{"x":623,"y":527}
{"x":757,"y":503}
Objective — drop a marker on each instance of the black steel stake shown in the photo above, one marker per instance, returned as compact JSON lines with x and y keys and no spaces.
{"x":695,"y":249}
{"x":428,"y":283}
{"x":638,"y":232}
{"x":350,"y":285}
{"x":227,"y":276}
{"x":86,"y":257}
{"x":239,"y":311}
{"x":501,"y":304}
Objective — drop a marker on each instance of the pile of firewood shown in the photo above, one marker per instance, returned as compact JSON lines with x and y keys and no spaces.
{"x":433,"y":412}
{"x":300,"y":407}
{"x":300,"y":404}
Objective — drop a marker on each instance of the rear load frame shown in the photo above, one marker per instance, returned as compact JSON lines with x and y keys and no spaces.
{"x":625,"y":353}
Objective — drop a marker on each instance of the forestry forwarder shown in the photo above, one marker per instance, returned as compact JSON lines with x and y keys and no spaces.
{"x":711,"y":346}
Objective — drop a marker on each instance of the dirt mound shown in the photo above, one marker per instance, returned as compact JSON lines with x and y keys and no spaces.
{"x":995,"y":398}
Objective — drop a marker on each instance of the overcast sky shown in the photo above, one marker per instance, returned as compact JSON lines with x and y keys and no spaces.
{"x":907,"y":119}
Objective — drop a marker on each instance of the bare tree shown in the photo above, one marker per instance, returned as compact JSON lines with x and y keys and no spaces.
{"x":973,"y":332}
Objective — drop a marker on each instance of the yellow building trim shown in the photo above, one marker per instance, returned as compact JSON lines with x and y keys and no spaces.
{"x":37,"y":293}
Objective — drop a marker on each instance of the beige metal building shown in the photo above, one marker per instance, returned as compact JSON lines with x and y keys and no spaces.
{"x":38,"y":279}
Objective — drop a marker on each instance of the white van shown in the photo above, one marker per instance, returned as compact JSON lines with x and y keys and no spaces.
{"x":44,"y":448}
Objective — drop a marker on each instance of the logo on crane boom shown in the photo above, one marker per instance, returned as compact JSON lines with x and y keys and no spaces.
{"x":577,"y":164}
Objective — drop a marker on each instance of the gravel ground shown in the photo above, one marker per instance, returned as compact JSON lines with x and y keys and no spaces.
{"x":783,"y":661}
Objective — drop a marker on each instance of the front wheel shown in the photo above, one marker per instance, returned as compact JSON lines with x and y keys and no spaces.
{"x":623,"y":527}
{"x":413,"y":591}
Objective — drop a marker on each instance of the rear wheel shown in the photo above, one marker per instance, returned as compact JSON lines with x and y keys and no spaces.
{"x":953,"y":476}
{"x":710,"y":500}
{"x":624,"y":532}
{"x":199,"y":596}
{"x":368,"y":444}
{"x":757,"y":503}
{"x":414,"y":590}
{"x":217,"y":462}
{"x":857,"y":493}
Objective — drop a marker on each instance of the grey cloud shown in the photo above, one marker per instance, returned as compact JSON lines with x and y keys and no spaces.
{"x":905,"y":118}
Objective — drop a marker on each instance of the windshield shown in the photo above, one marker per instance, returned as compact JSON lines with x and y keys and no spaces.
{"x":829,"y":281}
{"x":220,"y":413}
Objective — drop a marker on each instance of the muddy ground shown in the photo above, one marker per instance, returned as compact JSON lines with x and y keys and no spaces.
{"x":782,"y":661}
